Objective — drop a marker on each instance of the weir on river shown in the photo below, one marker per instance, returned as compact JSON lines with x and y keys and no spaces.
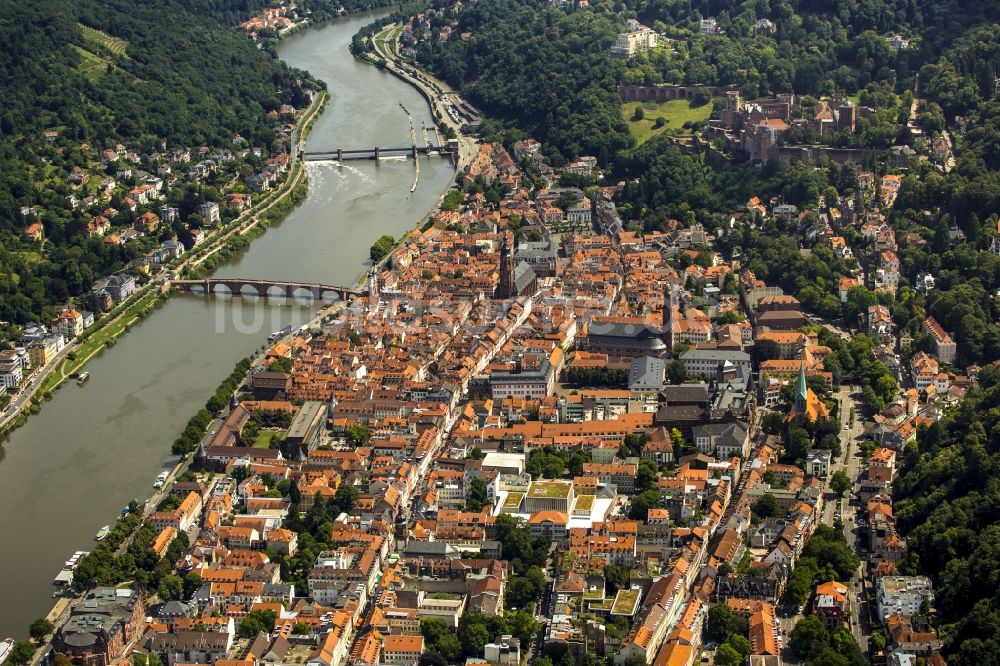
{"x":93,"y":448}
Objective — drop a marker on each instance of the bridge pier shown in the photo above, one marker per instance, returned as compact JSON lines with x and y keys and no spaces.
{"x":377,"y":154}
{"x":414,"y":151}
{"x":340,"y":154}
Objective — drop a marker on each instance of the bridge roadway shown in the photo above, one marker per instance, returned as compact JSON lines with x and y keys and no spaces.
{"x":376,"y":153}
{"x":265,"y":288}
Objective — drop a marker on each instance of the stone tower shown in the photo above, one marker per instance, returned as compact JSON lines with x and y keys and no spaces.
{"x":505,"y":285}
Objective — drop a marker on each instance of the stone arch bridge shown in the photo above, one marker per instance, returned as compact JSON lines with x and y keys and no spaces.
{"x":265,"y":288}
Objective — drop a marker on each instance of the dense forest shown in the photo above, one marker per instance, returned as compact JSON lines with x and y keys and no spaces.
{"x":949,"y":508}
{"x":97,"y":73}
{"x":557,"y":84}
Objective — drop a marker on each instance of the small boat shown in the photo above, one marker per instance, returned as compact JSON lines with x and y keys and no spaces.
{"x":82,"y":378}
{"x":161,"y":479}
{"x":103,"y":532}
{"x":278,"y":334}
{"x":5,"y":648}
{"x":124,"y":512}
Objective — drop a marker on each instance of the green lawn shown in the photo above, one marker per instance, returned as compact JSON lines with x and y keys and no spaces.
{"x":264,"y":437}
{"x":513,"y":501}
{"x":91,"y":65}
{"x":549,"y":489}
{"x":624,"y":602}
{"x":94,"y":343}
{"x":30,"y":256}
{"x":676,"y":112}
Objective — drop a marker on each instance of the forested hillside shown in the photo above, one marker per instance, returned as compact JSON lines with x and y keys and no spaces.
{"x":542,"y":68}
{"x":152,"y":75}
{"x":950,"y":508}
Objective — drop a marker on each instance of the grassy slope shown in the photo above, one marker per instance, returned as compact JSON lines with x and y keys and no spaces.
{"x":676,"y":112}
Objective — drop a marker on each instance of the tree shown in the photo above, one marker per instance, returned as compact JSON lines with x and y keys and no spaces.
{"x":726,"y":655}
{"x":809,"y":636}
{"x":766,"y":506}
{"x":522,"y":624}
{"x":432,"y":659}
{"x":720,"y":623}
{"x":741,"y":645}
{"x":345,"y":497}
{"x":192,"y":582}
{"x":772,"y":423}
{"x":677,"y":372}
{"x":642,"y":503}
{"x":40,"y":628}
{"x":381,"y":248}
{"x":450,"y":648}
{"x":477,"y":498}
{"x":798,"y":444}
{"x":474,"y":638}
{"x":452,"y":200}
{"x":639,"y":114}
{"x":577,"y":461}
{"x":523,"y":590}
{"x":840,"y":482}
{"x":140,"y":659}
{"x":171,"y":588}
{"x":677,"y":439}
{"x":646,"y":475}
{"x":616,"y":578}
{"x":256,"y":622}
{"x":359,"y":435}
{"x":432,"y":629}
{"x":22,"y":653}
{"x":764,"y":350}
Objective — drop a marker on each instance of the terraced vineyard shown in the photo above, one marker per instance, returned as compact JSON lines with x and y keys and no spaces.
{"x":103,"y":42}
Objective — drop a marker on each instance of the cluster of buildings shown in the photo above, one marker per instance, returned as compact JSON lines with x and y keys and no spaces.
{"x":636,"y":37}
{"x":434,"y":22}
{"x":38,"y":346}
{"x":760,"y":128}
{"x":128,"y":206}
{"x":904,"y":604}
{"x":279,"y":19}
{"x":425,"y":401}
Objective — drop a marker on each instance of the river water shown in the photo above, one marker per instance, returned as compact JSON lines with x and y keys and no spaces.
{"x":72,"y":468}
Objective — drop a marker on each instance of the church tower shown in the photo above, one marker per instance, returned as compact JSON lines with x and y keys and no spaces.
{"x":505,"y":285}
{"x":373,"y":291}
{"x":670,"y":301}
{"x":801,"y":391}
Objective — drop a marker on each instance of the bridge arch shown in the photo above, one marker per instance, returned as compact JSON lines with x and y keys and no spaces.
{"x":249,"y":290}
{"x":300,"y":292}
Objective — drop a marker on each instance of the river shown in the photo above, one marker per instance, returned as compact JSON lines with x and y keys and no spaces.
{"x":72,"y":468}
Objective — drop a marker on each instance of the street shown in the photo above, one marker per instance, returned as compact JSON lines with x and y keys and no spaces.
{"x":842,"y":510}
{"x":435,"y":90}
{"x":31,"y":384}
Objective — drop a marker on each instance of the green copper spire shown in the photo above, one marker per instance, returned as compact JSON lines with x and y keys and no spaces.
{"x":801,"y":389}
